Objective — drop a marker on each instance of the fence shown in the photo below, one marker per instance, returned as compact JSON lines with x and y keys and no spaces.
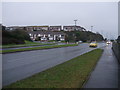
{"x":116,"y":50}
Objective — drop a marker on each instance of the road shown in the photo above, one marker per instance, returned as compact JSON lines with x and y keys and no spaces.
{"x":23,"y":47}
{"x":32,"y":46}
{"x":17,"y":66}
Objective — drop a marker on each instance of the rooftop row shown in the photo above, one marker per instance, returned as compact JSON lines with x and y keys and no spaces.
{"x":47,"y":28}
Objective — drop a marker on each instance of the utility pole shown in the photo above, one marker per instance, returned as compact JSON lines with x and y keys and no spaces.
{"x":75,"y":24}
{"x":91,"y":28}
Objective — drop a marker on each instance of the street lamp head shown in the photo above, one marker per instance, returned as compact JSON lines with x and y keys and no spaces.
{"x":75,"y":20}
{"x":91,"y":28}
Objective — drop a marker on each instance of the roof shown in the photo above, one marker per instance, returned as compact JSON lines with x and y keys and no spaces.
{"x":55,"y":26}
{"x":37,"y":26}
{"x":72,"y":26}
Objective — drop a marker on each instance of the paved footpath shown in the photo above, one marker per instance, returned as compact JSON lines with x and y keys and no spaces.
{"x":105,"y":74}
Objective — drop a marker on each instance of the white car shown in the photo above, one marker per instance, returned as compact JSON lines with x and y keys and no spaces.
{"x":108,"y":42}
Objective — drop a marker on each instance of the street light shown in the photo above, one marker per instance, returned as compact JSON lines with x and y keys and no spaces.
{"x":75,"y":23}
{"x":91,"y":28}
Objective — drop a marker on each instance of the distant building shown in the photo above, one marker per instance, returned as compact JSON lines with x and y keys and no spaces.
{"x":55,"y":28}
{"x":47,"y":35}
{"x":73,"y":28}
{"x":46,"y":28}
{"x":16,"y":27}
{"x":12,"y":28}
{"x":68,"y":28}
{"x":29,"y":28}
{"x":37,"y":28}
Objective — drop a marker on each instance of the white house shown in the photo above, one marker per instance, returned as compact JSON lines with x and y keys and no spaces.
{"x":73,"y":28}
{"x":47,"y":35}
{"x":55,"y":28}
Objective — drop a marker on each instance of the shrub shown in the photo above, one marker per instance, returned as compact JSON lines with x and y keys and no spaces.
{"x":14,"y":37}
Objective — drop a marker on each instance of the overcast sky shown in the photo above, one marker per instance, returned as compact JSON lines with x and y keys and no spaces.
{"x":102,"y":15}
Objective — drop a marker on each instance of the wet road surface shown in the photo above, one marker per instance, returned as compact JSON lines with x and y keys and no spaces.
{"x":17,"y":66}
{"x":105,"y":74}
{"x":32,"y":46}
{"x":23,"y":47}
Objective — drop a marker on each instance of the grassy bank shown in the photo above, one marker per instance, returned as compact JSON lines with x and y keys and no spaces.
{"x":71,"y":74}
{"x":37,"y":48}
{"x":27,"y":43}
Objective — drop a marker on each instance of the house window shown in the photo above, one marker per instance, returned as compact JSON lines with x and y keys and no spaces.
{"x":30,"y":34}
{"x":38,"y":34}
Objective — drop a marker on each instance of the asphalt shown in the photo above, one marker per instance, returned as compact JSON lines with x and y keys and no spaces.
{"x":23,"y":47}
{"x":105,"y":74}
{"x":17,"y":66}
{"x":30,"y":46}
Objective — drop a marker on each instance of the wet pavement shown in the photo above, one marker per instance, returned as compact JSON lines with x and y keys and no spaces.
{"x":105,"y":74}
{"x":23,"y":47}
{"x":17,"y":66}
{"x":33,"y":46}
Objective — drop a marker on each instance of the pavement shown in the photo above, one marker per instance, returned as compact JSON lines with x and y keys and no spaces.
{"x":105,"y":74}
{"x":17,"y":66}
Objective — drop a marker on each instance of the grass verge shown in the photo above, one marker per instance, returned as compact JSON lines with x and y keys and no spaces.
{"x":70,"y":74}
{"x":36,"y":48}
{"x":27,"y":43}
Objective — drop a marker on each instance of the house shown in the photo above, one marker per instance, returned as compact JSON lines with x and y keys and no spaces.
{"x":73,"y":28}
{"x":16,"y":27}
{"x":37,"y":28}
{"x":47,"y":35}
{"x":12,"y":28}
{"x":68,"y":28}
{"x":55,"y":28}
{"x":29,"y":28}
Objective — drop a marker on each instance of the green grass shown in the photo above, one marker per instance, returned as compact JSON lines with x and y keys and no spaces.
{"x":70,"y":74}
{"x":36,"y":48}
{"x":27,"y":43}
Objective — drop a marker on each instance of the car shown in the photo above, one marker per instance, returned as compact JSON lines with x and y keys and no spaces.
{"x":108,"y":42}
{"x":80,"y":41}
{"x":93,"y":44}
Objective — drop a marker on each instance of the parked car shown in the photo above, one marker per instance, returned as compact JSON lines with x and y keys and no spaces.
{"x":93,"y":44}
{"x":79,"y":41}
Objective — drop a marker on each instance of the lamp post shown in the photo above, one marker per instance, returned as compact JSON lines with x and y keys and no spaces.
{"x":75,"y":23}
{"x":91,"y":28}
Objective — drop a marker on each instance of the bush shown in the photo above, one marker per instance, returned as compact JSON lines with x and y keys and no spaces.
{"x":14,"y":37}
{"x":75,"y":36}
